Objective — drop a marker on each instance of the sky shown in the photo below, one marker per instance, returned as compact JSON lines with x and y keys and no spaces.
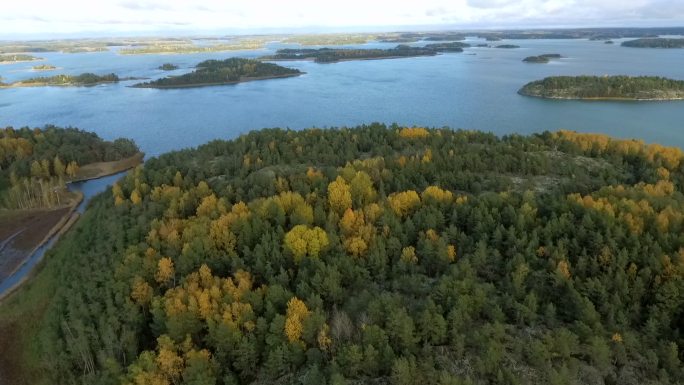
{"x":45,"y":18}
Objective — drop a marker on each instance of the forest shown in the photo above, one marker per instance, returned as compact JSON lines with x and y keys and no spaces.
{"x":218,"y":72}
{"x":605,"y":87}
{"x":654,"y":43}
{"x":35,"y":163}
{"x":369,"y":255}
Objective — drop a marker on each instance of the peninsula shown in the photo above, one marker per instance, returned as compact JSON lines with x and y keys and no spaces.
{"x":221,"y":72}
{"x":385,"y":255}
{"x":606,"y":88}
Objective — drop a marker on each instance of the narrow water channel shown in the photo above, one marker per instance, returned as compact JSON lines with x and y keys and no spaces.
{"x":89,"y":189}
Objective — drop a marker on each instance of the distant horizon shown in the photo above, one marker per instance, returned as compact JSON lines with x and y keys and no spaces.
{"x":313,"y":31}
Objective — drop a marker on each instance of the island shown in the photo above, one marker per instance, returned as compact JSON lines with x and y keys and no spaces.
{"x":44,"y":67}
{"x":544,"y":58}
{"x":655,"y":43}
{"x":507,"y":46}
{"x":334,"y":55}
{"x":168,"y":67}
{"x":82,"y":80}
{"x":17,"y":58}
{"x":605,"y":88}
{"x":222,"y":72}
{"x":609,"y":42}
{"x":375,"y":254}
{"x":35,"y":166}
{"x":448,"y":47}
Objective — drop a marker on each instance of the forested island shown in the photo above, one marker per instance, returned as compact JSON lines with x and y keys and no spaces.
{"x":655,"y":43}
{"x":35,"y":165}
{"x":44,"y":67}
{"x":82,"y":80}
{"x":18,"y":58}
{"x":221,"y":72}
{"x":544,"y":58}
{"x":334,"y":55}
{"x":507,"y":46}
{"x":168,"y":67}
{"x":375,"y":254}
{"x":605,"y":87}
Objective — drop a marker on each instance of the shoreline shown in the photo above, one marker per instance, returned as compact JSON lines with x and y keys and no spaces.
{"x":602,"y":98}
{"x":55,"y":231}
{"x":69,"y":219}
{"x":241,"y":80}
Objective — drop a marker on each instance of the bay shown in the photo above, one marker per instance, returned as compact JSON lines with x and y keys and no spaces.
{"x":472,"y":90}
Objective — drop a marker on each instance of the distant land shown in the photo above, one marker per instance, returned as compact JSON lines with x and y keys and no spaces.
{"x":654,"y":43}
{"x":221,"y":72}
{"x":17,"y":58}
{"x":605,"y":88}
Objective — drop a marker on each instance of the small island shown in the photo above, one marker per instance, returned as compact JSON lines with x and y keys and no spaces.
{"x":82,"y":80}
{"x":168,"y":67}
{"x":507,"y":46}
{"x":605,"y":88}
{"x":18,"y":58}
{"x":609,"y":42}
{"x":658,"y":42}
{"x":545,"y":58}
{"x":222,"y":72}
{"x":44,"y":67}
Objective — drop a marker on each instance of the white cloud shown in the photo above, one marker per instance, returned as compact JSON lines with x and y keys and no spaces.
{"x":121,"y":16}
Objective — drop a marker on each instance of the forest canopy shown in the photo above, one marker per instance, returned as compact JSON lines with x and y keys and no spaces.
{"x":375,"y":255}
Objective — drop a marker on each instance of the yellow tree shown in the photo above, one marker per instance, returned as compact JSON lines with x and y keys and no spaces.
{"x":165,"y":270}
{"x":297,"y":313}
{"x":404,"y":202}
{"x":303,"y":241}
{"x":339,"y":195}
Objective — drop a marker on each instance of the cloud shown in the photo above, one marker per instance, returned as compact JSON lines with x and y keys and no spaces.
{"x":490,"y":3}
{"x":144,"y":5}
{"x":122,"y":16}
